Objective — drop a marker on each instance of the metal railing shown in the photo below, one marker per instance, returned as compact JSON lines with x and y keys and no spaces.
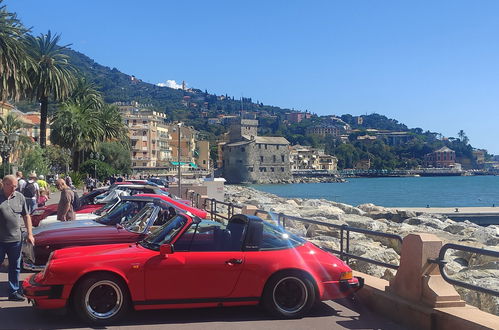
{"x":214,"y":212}
{"x":441,"y":265}
{"x":345,"y":240}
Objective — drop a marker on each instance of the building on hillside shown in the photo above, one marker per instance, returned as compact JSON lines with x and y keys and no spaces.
{"x":5,"y":108}
{"x":479,"y":156}
{"x":296,"y":117}
{"x":149,"y":136}
{"x":325,"y":129}
{"x":256,"y":159}
{"x":308,"y":158}
{"x":441,"y":158}
{"x":395,"y":138}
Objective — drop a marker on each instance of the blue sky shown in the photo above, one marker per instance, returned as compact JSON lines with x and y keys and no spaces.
{"x":428,"y":64}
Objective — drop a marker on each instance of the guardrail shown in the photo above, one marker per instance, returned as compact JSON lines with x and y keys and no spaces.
{"x":441,"y":265}
{"x":216,"y":214}
{"x":211,"y":206}
{"x":345,"y":230}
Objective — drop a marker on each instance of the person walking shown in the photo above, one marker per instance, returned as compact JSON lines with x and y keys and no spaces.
{"x":65,"y":210}
{"x":44,"y":186}
{"x":12,"y":208}
{"x":21,"y":182}
{"x":31,"y":192}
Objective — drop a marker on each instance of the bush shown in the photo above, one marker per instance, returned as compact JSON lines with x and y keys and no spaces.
{"x":92,"y":167}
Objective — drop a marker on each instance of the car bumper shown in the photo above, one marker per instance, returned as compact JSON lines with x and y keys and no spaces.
{"x":341,"y":289}
{"x":32,"y":267}
{"x":43,"y":296}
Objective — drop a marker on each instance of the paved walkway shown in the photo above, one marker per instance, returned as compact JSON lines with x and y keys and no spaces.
{"x":343,"y":314}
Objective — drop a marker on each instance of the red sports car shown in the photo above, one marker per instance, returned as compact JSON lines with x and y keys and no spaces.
{"x":189,"y":262}
{"x":129,"y":221}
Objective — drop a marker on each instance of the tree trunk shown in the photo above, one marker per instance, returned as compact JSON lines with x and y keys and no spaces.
{"x":44,"y":102}
{"x":76,"y":161}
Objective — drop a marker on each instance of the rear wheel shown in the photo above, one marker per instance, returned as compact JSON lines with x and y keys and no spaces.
{"x":101,"y":299}
{"x":289,"y":295}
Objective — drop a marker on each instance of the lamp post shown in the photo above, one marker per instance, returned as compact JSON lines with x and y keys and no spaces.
{"x":96,"y":156}
{"x":178,"y":161}
{"x":7,"y":143}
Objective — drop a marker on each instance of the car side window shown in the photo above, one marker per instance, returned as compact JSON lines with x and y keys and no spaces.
{"x":205,"y":236}
{"x":275,"y":238}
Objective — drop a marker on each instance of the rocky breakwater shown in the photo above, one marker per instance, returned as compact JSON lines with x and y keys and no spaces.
{"x":467,"y":267}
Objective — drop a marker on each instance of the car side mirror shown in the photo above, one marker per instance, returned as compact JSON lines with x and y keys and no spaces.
{"x":165,"y":249}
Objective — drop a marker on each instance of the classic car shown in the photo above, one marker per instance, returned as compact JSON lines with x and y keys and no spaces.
{"x":98,"y":197}
{"x":130,"y":221}
{"x":86,"y":202}
{"x":188,"y":262}
{"x":113,"y":208}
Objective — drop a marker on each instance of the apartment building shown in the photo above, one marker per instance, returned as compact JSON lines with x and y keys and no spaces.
{"x":149,"y":136}
{"x":308,"y":158}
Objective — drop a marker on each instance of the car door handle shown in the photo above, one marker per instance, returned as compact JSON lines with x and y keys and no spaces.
{"x":234,"y":261}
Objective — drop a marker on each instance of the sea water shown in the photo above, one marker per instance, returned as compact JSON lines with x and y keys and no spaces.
{"x":450,"y":191}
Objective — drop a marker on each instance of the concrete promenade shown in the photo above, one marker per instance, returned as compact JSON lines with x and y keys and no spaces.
{"x":343,"y":314}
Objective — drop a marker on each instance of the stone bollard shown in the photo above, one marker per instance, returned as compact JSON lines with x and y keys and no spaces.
{"x":418,"y":280}
{"x":249,"y":209}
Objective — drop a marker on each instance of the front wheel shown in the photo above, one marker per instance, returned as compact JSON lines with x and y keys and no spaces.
{"x":289,"y":295}
{"x":101,"y":299}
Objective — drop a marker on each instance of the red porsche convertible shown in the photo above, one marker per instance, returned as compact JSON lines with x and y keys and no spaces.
{"x":188,"y":262}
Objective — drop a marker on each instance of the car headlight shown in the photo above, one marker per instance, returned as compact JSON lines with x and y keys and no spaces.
{"x":47,"y":265}
{"x":38,"y":212}
{"x":346,"y":275}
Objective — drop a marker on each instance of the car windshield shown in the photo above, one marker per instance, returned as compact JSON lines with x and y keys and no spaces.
{"x":165,"y":233}
{"x":121,"y":213}
{"x":106,"y":208}
{"x":138,"y":223}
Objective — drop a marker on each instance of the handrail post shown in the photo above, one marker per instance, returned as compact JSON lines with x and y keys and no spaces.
{"x":341,"y":243}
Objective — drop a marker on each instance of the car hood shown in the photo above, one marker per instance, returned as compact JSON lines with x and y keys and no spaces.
{"x":93,"y":252}
{"x":55,"y":224}
{"x":86,"y":235}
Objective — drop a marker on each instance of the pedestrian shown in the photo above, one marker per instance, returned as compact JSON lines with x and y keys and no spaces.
{"x":69,"y":181}
{"x":21,"y":181}
{"x":43,"y":198}
{"x":31,"y":192}
{"x":44,"y":186}
{"x":12,"y":208}
{"x":88,"y":183}
{"x":65,"y":210}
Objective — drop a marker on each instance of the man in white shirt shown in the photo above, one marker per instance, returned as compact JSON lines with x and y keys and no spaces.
{"x":21,"y":182}
{"x":31,"y":192}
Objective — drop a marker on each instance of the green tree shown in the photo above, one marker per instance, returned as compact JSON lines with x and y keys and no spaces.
{"x":51,"y":74}
{"x":34,"y":160}
{"x":76,"y":127}
{"x":58,"y":158}
{"x":112,"y":125}
{"x":9,"y":126}
{"x":13,"y":56}
{"x":117,"y":156}
{"x":96,"y":167}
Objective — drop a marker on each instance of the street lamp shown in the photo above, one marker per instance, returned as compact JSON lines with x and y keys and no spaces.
{"x":7,"y":143}
{"x":96,"y":156}
{"x":178,"y":161}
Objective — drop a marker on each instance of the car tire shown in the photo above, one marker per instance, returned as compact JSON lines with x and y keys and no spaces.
{"x":101,"y":299}
{"x":289,"y":295}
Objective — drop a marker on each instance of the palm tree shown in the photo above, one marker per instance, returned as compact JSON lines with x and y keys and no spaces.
{"x":113,"y":125}
{"x":13,"y":56}
{"x":76,"y":126}
{"x":51,"y":74}
{"x":86,"y":92}
{"x":9,"y":127}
